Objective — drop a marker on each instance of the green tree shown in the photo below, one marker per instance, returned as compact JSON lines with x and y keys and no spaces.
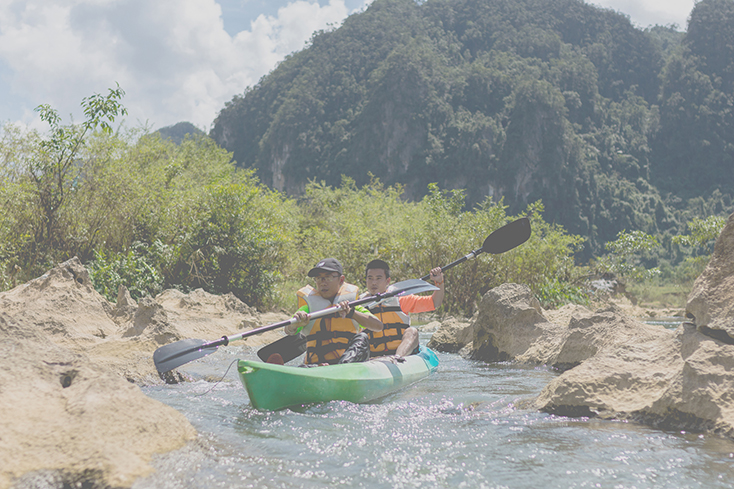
{"x":55,"y":169}
{"x":626,"y":256}
{"x":702,"y":234}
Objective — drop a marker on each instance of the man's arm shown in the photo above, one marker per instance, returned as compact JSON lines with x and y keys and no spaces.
{"x":425,"y":303}
{"x":437,"y":278}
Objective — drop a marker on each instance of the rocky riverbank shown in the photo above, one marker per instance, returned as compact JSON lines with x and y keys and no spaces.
{"x":71,"y":414}
{"x":612,"y":364}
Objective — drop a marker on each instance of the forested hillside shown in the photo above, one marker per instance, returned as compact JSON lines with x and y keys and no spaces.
{"x":612,"y":127}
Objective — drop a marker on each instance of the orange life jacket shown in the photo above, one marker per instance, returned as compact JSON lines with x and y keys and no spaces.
{"x":394,"y":322}
{"x":327,"y":337}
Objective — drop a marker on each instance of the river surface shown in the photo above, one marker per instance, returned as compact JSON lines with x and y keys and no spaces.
{"x":469,"y":425}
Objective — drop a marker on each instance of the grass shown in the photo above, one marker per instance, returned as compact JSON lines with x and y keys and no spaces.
{"x":660,"y":295}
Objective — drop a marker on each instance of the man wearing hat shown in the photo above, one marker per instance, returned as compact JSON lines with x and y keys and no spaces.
{"x":329,"y":337}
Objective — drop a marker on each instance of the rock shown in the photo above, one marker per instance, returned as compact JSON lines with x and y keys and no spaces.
{"x":70,"y":413}
{"x":711,"y":302}
{"x":126,"y":306}
{"x":429,"y":327}
{"x":72,"y":420}
{"x":63,"y":305}
{"x":510,"y":326}
{"x":151,"y":320}
{"x":563,"y":315}
{"x":591,"y":333}
{"x":679,"y":380}
{"x":200,"y":314}
{"x":451,"y":336}
{"x":619,"y":379}
{"x":699,"y":397}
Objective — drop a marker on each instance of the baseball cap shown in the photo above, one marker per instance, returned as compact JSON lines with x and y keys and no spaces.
{"x":326,"y":265}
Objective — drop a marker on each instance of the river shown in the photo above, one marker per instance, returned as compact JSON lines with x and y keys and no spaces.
{"x":469,"y":425}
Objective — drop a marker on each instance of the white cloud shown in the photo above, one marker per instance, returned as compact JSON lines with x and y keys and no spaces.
{"x":172,"y":57}
{"x":651,"y":12}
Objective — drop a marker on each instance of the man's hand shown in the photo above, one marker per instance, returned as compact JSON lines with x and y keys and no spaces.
{"x":302,"y":319}
{"x":437,"y":276}
{"x":344,"y":311}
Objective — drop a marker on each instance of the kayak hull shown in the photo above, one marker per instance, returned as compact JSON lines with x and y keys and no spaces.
{"x":273,"y":387}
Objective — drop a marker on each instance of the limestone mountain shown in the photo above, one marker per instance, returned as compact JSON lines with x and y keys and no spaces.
{"x":518,"y":100}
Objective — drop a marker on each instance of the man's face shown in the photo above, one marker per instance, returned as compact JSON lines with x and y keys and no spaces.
{"x":377,"y":281}
{"x":328,"y":284}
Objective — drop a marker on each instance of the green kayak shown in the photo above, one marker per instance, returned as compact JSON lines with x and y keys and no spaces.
{"x":272,"y":387}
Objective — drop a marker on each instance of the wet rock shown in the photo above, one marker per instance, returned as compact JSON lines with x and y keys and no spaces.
{"x":451,"y":336}
{"x":510,"y":326}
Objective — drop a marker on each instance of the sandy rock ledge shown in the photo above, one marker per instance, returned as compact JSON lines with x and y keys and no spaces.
{"x":71,"y":413}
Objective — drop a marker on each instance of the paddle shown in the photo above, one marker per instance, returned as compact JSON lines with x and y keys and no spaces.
{"x":503,"y":239}
{"x":174,"y":355}
{"x":499,"y":241}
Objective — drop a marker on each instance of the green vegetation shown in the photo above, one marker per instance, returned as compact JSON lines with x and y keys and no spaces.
{"x":625,"y":257}
{"x":143,"y":212}
{"x":138,"y":210}
{"x":612,"y":127}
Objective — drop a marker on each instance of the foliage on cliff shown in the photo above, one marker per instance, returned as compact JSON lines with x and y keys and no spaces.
{"x":611,"y":126}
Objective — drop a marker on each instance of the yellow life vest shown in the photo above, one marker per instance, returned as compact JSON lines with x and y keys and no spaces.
{"x":394,"y":322}
{"x":327,"y":337}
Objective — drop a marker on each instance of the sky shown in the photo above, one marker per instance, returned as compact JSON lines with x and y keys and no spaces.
{"x":177,"y":60}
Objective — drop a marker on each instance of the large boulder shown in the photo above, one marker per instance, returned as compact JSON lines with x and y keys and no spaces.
{"x":510,"y":326}
{"x":673,"y":380}
{"x":615,"y":373}
{"x":591,"y":333}
{"x":711,"y":302}
{"x":676,"y":380}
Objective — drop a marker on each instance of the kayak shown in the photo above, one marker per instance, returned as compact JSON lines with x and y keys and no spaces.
{"x":273,"y":387}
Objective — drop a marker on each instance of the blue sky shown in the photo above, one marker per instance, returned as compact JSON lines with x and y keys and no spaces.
{"x":177,"y":60}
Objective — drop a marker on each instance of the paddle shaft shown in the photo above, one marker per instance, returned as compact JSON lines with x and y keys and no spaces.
{"x":224,"y":340}
{"x":464,"y":258}
{"x":500,"y":240}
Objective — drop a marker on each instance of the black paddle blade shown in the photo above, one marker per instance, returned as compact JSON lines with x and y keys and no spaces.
{"x":507,"y":237}
{"x":289,"y":347}
{"x":173,"y":355}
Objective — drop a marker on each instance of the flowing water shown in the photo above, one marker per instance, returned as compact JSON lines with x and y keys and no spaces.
{"x":469,"y":425}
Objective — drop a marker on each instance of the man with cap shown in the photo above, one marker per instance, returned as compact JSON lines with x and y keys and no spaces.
{"x":329,"y":337}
